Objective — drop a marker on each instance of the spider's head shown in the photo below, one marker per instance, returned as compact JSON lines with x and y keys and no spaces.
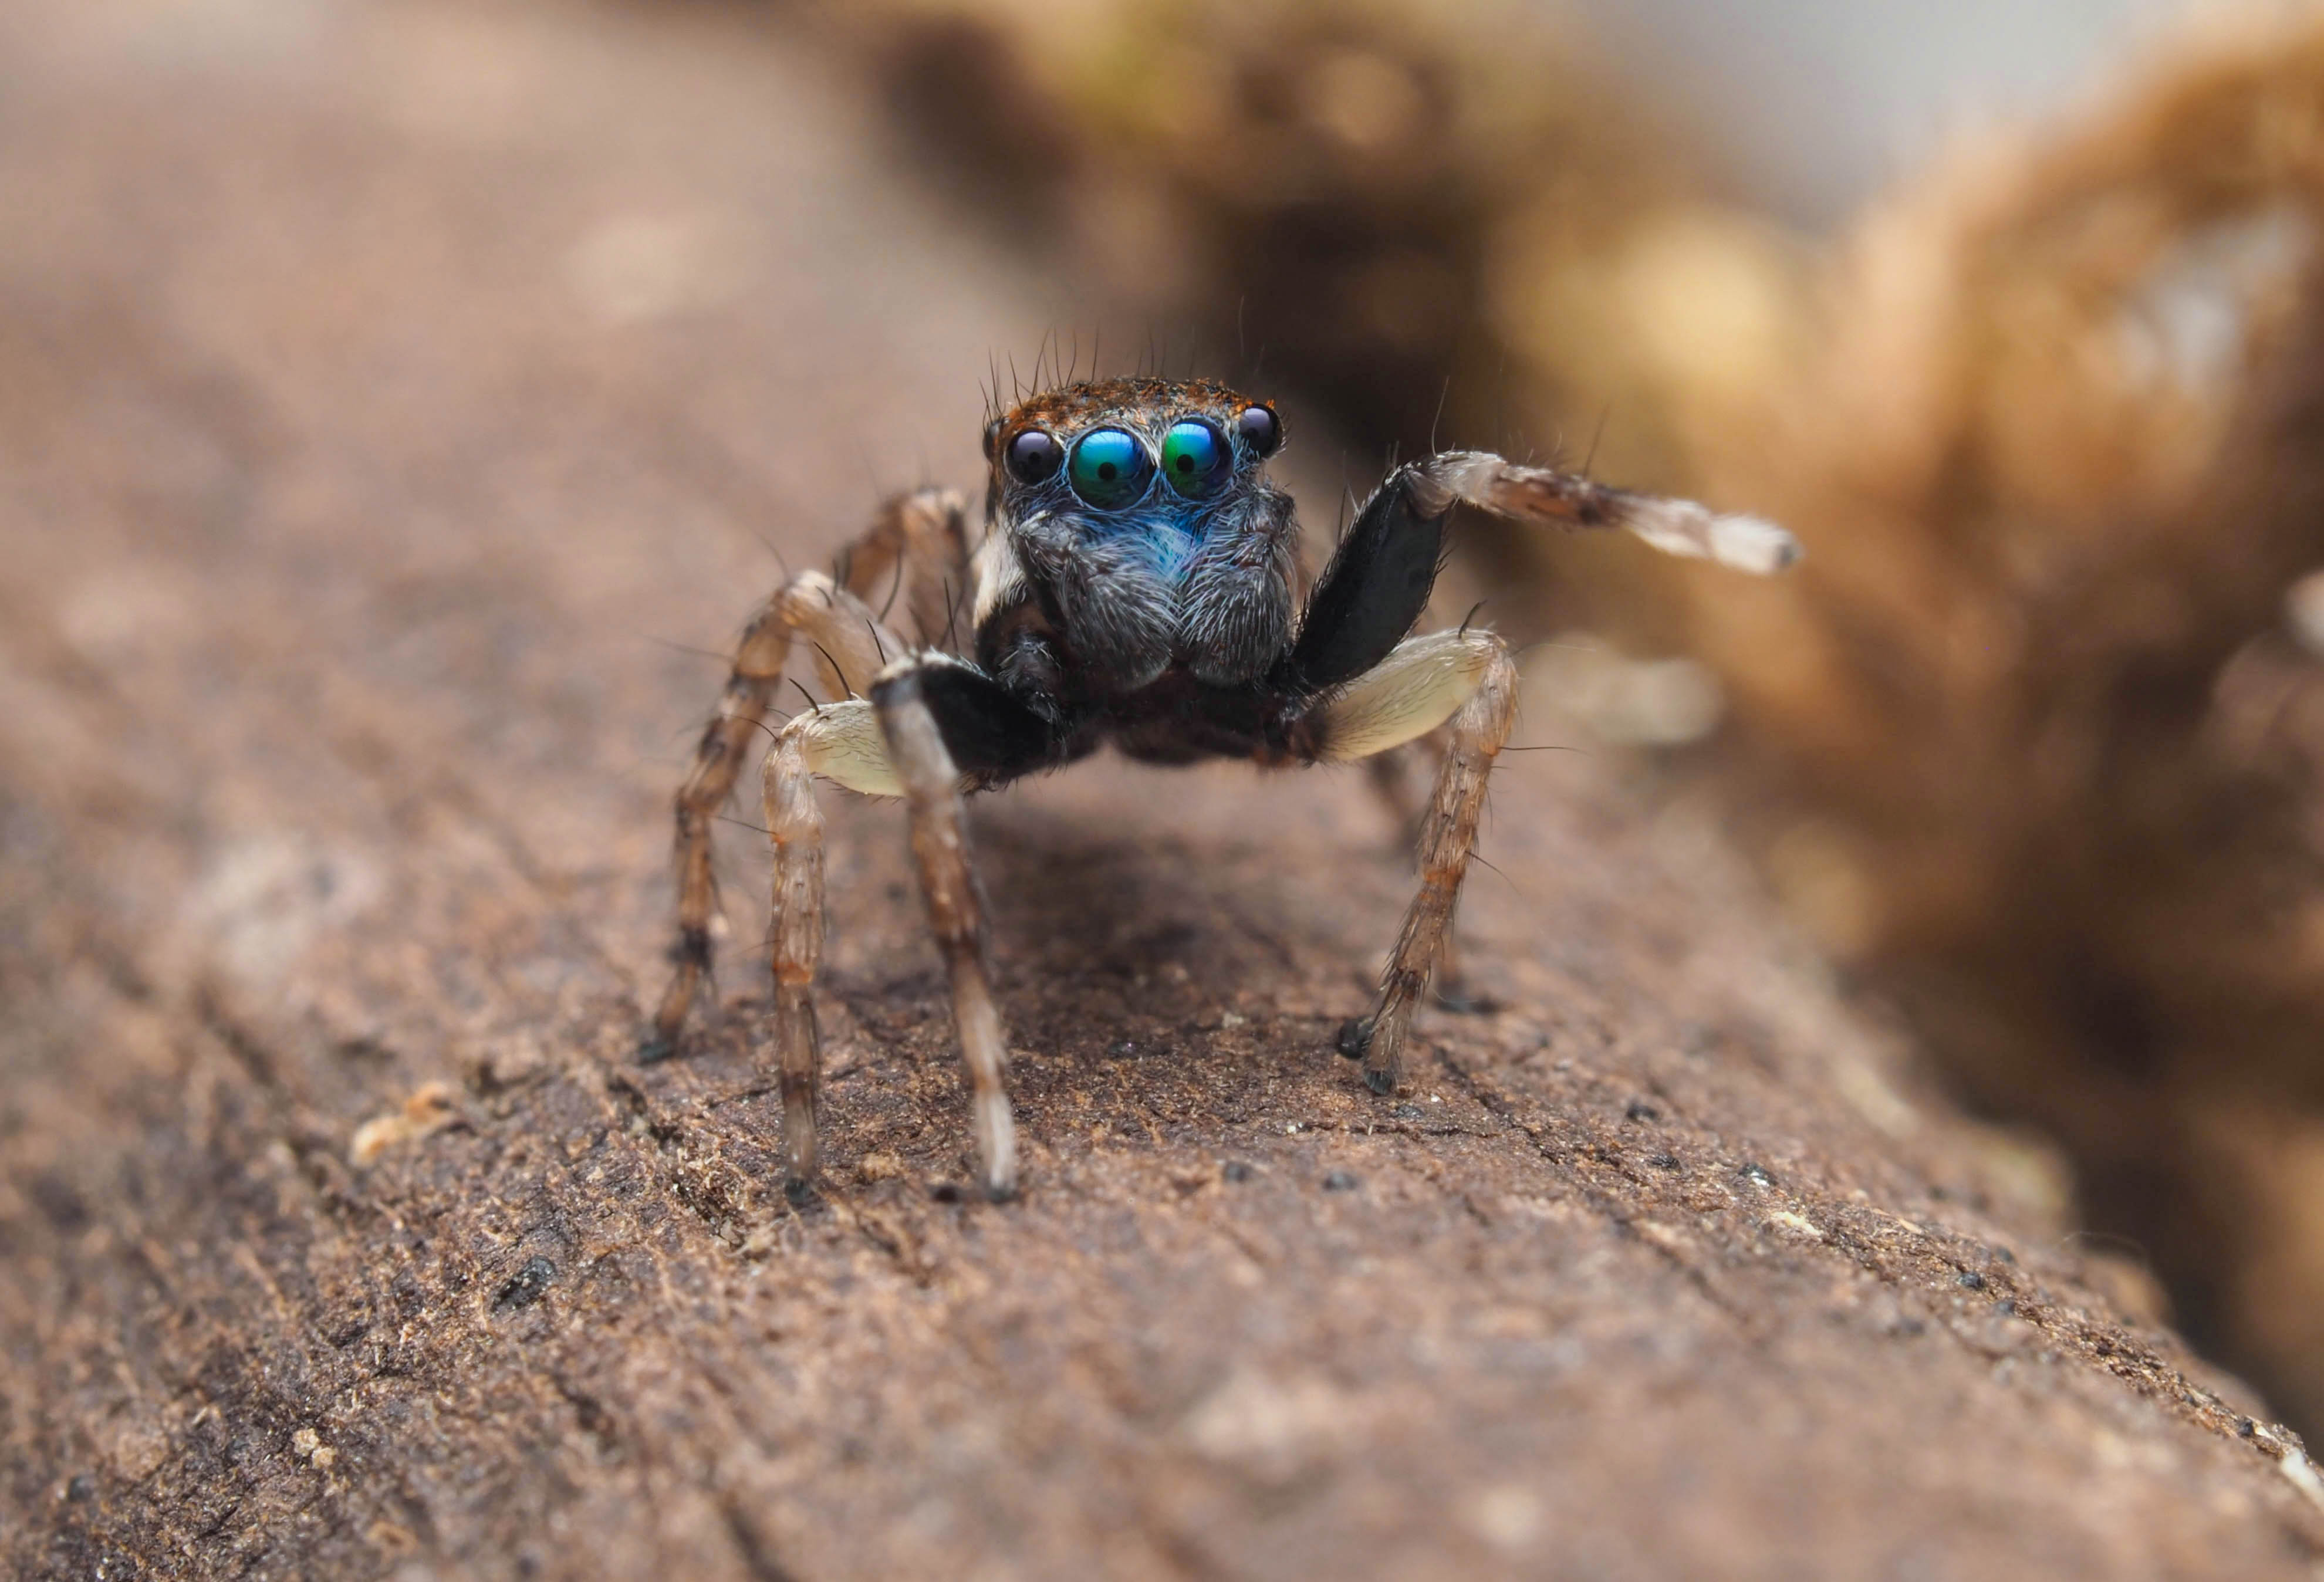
{"x":1143,"y":464}
{"x":1133,"y":528}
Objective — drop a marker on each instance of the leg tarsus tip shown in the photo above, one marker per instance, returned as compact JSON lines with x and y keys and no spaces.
{"x":656,"y":1048}
{"x":799,"y":1191}
{"x":1382,"y":1082}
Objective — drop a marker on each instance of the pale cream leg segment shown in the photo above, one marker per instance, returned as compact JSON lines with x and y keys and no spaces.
{"x":1467,"y":676}
{"x":1405,"y":696}
{"x":931,"y":786}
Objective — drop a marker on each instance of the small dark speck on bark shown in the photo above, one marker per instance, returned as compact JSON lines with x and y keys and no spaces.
{"x":526,"y":1286}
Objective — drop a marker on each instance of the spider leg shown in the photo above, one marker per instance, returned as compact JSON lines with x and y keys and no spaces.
{"x":1548,"y":497}
{"x":1347,"y":661}
{"x":1379,"y":578}
{"x":842,"y":742}
{"x":991,"y":736}
{"x":1390,"y":774}
{"x":911,"y":567}
{"x":850,"y":645}
{"x":940,"y":715}
{"x":1467,"y":677}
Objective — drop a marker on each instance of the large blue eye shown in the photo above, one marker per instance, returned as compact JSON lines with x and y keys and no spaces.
{"x":1194,"y":458}
{"x":1109,"y":468}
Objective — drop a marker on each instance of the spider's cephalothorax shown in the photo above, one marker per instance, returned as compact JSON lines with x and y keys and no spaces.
{"x":1134,"y":534}
{"x":1136,"y":584}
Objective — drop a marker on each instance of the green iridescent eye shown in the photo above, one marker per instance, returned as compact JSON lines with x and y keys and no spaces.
{"x":1109,"y":468}
{"x":1194,"y":458}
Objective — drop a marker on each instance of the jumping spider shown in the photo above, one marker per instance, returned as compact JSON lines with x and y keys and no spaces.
{"x":1136,"y":584}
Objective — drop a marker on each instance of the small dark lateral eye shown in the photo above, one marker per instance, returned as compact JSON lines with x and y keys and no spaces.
{"x":1261,"y":429}
{"x":1034,"y":456}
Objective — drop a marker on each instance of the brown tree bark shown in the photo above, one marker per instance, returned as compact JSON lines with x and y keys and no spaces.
{"x":377,"y":386}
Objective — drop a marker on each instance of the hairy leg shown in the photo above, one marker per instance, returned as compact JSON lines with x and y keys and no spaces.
{"x":1371,"y":689}
{"x":1391,"y":774}
{"x":931,"y":782}
{"x":1379,"y":578}
{"x":848,"y":643}
{"x":1551,"y":498}
{"x":842,"y":742}
{"x":1469,"y":677}
{"x":911,"y":566}
{"x":956,"y":723}
{"x":913,"y":553}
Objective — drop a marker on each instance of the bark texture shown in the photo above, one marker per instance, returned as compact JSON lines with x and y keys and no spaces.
{"x":377,"y":385}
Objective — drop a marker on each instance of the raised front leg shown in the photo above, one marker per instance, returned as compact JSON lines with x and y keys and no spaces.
{"x":1380,"y":576}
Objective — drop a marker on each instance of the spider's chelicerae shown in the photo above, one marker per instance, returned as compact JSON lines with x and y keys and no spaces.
{"x":1138,"y":583}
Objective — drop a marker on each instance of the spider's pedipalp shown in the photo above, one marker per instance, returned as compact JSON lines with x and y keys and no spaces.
{"x":1417,"y":687}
